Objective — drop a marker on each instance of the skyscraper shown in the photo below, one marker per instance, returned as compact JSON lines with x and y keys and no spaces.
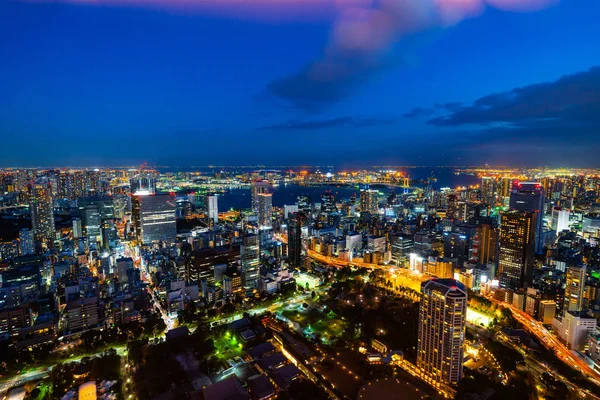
{"x":516,"y":248}
{"x":265,"y":210}
{"x":328,"y":205}
{"x":77,"y":228}
{"x":144,"y":183}
{"x":42,"y":211}
{"x":295,"y":239}
{"x":488,"y":190}
{"x":250,"y":262}
{"x":487,"y":240}
{"x":442,"y":322}
{"x":529,"y":197}
{"x":368,"y":201}
{"x":212,"y":209}
{"x":560,"y":219}
{"x":26,"y":242}
{"x":574,"y":288}
{"x":258,"y":187}
{"x":154,"y":217}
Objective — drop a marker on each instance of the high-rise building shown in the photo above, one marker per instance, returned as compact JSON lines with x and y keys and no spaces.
{"x":154,"y":218}
{"x":516,"y":249}
{"x":250,"y":262}
{"x":295,"y":239}
{"x":328,"y":204}
{"x":574,"y":288}
{"x":487,"y":241}
{"x":143,"y":184}
{"x":442,"y":323}
{"x":42,"y":211}
{"x":368,"y":201}
{"x":529,"y":197}
{"x":488,"y":190}
{"x":265,"y":210}
{"x":26,"y":242}
{"x":560,"y":219}
{"x":77,"y":228}
{"x":258,"y":187}
{"x":212,"y":209}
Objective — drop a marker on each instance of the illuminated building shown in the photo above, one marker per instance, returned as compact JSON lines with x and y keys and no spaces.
{"x":401,"y":246}
{"x":92,"y":222}
{"x":304,"y":204}
{"x":368,"y":201}
{"x":143,"y":184}
{"x":295,"y":239}
{"x":574,"y":329}
{"x":154,"y":218}
{"x":529,"y":197}
{"x":442,"y":323}
{"x":258,"y":187}
{"x":250,"y":262}
{"x":265,"y":210}
{"x":488,"y":190}
{"x":547,"y":311}
{"x":516,"y":248}
{"x":574,"y":288}
{"x":87,"y":391}
{"x":328,"y":205}
{"x":77,"y":228}
{"x":212,"y":209}
{"x":26,"y":242}
{"x":560,"y":219}
{"x":42,"y":212}
{"x":487,"y":242}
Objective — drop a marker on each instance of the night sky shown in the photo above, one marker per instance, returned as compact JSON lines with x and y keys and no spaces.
{"x":328,"y":82}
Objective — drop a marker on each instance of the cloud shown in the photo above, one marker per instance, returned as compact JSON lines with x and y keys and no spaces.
{"x":361,"y":35}
{"x":341,"y":122}
{"x":360,"y":38}
{"x":573,"y":100}
{"x":418,"y":112}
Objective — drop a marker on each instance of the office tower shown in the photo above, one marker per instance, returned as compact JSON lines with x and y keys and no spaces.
{"x":212,"y":209}
{"x":328,"y":205}
{"x":295,"y":239}
{"x":529,"y":197}
{"x":442,"y":322}
{"x":42,"y":212}
{"x":143,"y":184}
{"x":304,"y":204}
{"x":265,"y":210}
{"x":368,"y":201}
{"x":258,"y":187}
{"x":505,"y":186}
{"x":574,"y":288}
{"x":26,"y":242}
{"x":487,"y":240}
{"x":456,"y":246}
{"x":516,"y":248}
{"x":77,"y":228}
{"x":488,"y":190}
{"x":250,"y":262}
{"x":92,"y":223}
{"x":287,"y":210}
{"x":154,"y":218}
{"x":560,"y":219}
{"x":104,"y":204}
{"x":451,"y":206}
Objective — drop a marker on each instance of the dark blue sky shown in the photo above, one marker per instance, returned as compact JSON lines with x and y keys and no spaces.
{"x":119,"y":84}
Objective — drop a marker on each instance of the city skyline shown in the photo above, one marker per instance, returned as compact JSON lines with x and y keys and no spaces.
{"x":460,"y":83}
